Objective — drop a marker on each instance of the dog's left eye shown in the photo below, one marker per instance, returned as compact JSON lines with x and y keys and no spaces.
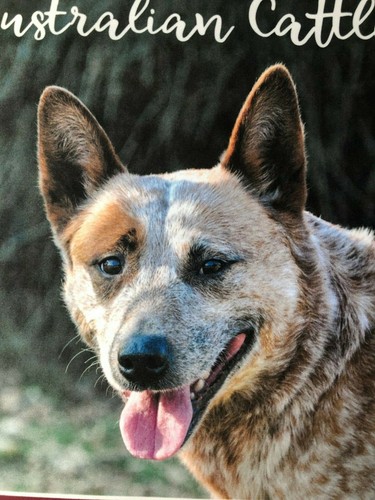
{"x":212,"y":266}
{"x":111,"y":266}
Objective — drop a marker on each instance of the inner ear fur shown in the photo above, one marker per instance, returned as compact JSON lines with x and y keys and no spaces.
{"x":75,"y":155}
{"x":266,"y":147}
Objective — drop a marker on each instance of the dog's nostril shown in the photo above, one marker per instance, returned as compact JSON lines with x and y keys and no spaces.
{"x":144,"y":360}
{"x":126,"y":363}
{"x":156,"y":363}
{"x":131,"y":364}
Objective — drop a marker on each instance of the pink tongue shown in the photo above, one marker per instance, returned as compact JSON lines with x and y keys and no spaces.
{"x":154,"y":426}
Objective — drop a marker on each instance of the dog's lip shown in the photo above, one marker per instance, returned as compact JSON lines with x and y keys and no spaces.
{"x":201,"y":398}
{"x":207,"y":379}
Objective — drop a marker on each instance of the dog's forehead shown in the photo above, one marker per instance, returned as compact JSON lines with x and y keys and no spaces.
{"x":189,"y":200}
{"x":164,"y":211}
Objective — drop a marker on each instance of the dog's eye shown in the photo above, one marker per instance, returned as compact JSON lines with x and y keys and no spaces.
{"x":110,"y":266}
{"x":212,"y":266}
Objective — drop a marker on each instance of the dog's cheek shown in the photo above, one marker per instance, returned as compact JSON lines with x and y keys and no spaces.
{"x":83,"y":305}
{"x":205,"y":324}
{"x":86,"y":331}
{"x":91,"y":318}
{"x":271,"y":284}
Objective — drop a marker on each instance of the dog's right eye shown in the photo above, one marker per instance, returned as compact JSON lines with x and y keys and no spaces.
{"x":213,"y":266}
{"x":111,"y":266}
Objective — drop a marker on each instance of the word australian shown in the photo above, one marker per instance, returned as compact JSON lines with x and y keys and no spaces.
{"x":141,"y":19}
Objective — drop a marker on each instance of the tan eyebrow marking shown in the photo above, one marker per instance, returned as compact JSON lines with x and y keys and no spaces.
{"x":94,"y":233}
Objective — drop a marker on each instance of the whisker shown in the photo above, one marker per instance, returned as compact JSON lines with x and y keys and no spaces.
{"x":100,"y":379}
{"x":77,"y":338}
{"x":82,"y":351}
{"x":94,"y":363}
{"x":94,"y":357}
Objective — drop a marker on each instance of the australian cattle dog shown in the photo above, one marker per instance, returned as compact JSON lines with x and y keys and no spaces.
{"x":237,"y":327}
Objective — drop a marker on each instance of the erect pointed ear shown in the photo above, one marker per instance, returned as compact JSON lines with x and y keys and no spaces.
{"x":75,"y":154}
{"x":267,"y":143}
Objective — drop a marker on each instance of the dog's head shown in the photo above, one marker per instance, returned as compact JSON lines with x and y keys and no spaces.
{"x":182,"y":282}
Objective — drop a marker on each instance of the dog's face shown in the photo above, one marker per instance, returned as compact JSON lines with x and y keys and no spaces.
{"x":177,"y":280}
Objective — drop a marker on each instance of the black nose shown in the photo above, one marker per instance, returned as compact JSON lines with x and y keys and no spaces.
{"x":144,"y":360}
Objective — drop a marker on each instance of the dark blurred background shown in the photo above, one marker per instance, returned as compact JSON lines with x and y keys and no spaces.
{"x":166,"y":105}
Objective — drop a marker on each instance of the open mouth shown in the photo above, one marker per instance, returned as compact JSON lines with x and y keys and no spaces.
{"x":155,"y":424}
{"x":204,"y":389}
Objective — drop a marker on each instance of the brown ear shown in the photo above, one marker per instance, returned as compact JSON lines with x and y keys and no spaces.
{"x":267,"y":143}
{"x":75,"y":154}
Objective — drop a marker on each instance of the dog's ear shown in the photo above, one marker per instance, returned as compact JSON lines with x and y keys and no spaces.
{"x":75,"y":154}
{"x":266,"y":147}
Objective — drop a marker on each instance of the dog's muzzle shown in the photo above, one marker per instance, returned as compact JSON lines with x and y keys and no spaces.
{"x":159,"y":416}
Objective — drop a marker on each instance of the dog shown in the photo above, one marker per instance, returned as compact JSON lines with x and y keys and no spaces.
{"x":237,"y":327}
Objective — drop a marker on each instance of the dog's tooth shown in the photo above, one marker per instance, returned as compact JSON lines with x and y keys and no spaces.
{"x":199,"y":384}
{"x":205,"y":375}
{"x":192,"y":395}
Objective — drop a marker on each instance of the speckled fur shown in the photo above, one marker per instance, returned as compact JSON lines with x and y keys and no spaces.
{"x":295,"y":417}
